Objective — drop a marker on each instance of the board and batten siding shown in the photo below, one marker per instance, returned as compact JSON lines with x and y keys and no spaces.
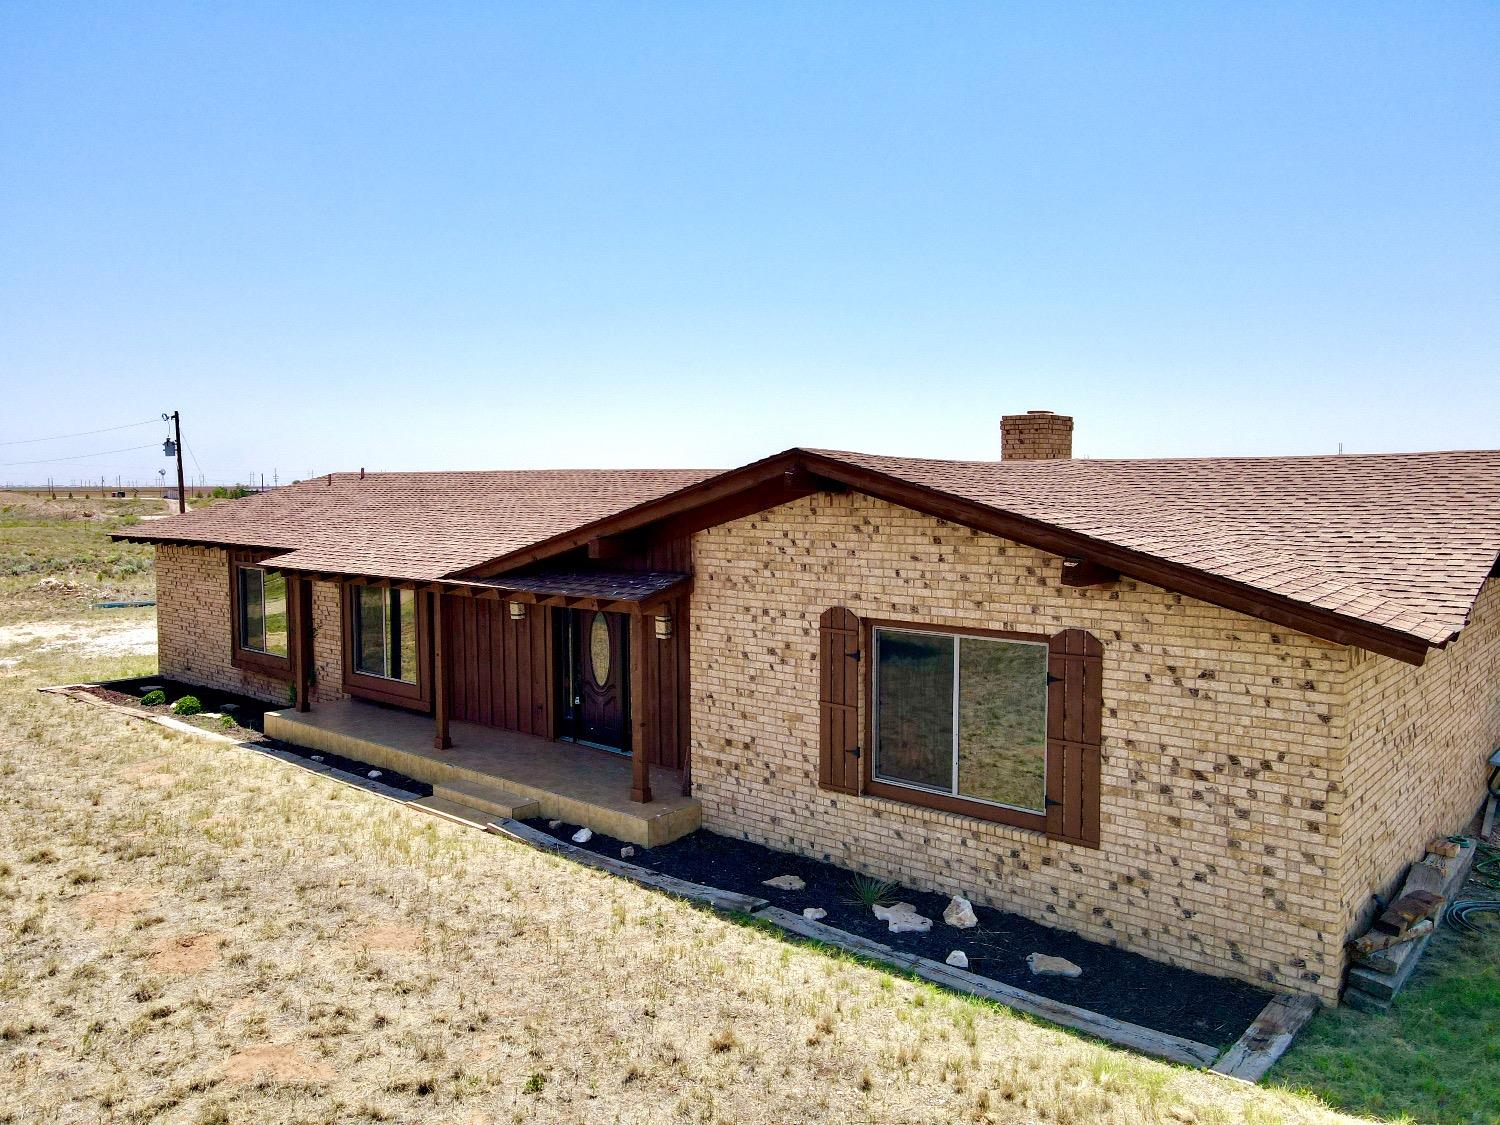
{"x":194,"y":619}
{"x":1222,"y":738}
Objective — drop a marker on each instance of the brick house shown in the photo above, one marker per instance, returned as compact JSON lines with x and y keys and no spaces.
{"x":1204,"y":709}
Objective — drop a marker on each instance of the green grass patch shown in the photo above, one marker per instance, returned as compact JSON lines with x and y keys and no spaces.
{"x":1433,"y":1058}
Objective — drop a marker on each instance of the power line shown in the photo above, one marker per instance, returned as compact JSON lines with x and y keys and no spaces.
{"x":80,"y":433}
{"x":80,"y":456}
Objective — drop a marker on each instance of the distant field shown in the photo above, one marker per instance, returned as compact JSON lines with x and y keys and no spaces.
{"x":56,"y":556}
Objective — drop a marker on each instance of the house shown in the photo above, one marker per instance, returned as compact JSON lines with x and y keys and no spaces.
{"x":1204,"y":709}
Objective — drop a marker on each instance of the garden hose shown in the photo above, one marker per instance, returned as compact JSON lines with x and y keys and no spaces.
{"x":1485,"y":871}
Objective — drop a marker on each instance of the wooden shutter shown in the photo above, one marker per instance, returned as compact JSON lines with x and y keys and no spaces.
{"x":838,"y":701}
{"x":1075,"y":708}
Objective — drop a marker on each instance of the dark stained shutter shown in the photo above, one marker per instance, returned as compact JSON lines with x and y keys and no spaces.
{"x":838,"y":701}
{"x":1075,"y":707}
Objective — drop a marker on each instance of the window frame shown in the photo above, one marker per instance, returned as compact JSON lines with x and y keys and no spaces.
{"x":366,"y":685}
{"x":250,"y":659}
{"x":927,"y":798}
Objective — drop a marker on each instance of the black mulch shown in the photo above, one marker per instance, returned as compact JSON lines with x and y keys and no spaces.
{"x":1116,"y":983}
{"x":249,"y":723}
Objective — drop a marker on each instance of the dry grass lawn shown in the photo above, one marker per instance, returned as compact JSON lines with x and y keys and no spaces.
{"x":197,"y":933}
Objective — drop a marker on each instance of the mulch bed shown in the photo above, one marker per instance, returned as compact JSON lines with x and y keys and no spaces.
{"x":248,"y":726}
{"x":1115,"y":982}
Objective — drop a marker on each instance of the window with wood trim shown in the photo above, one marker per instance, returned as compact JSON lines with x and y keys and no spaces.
{"x":999,"y":726}
{"x":386,"y":645}
{"x":261,"y":615}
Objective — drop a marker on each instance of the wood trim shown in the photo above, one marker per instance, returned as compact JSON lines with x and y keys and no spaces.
{"x":413,"y":697}
{"x":1016,"y":818}
{"x":248,"y":660}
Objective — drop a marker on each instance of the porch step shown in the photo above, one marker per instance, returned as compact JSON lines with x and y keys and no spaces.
{"x":489,"y":798}
{"x":454,"y":811}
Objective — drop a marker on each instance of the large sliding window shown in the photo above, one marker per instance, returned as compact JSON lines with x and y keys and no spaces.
{"x":385,"y":633}
{"x":262,"y":611}
{"x":962,"y":716}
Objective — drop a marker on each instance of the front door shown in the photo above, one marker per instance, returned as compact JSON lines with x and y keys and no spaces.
{"x":595,"y":707}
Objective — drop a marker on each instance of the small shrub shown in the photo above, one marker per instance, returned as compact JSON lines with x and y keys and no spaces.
{"x":187,"y":705}
{"x":154,"y":698}
{"x":869,"y":891}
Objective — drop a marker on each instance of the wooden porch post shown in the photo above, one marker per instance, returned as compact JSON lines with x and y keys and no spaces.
{"x":640,"y":765}
{"x":440,"y":739}
{"x":302,"y":649}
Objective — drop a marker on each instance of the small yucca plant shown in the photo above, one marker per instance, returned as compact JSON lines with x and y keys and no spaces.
{"x":869,"y":891}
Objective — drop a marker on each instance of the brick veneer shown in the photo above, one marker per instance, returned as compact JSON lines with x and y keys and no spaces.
{"x":1221,"y":733}
{"x":193,"y":623}
{"x":1418,"y":740}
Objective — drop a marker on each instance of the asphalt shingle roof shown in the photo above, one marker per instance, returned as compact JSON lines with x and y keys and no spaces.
{"x":1403,"y":541}
{"x":417,"y":525}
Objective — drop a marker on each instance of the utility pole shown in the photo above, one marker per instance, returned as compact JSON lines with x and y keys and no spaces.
{"x":176,"y":447}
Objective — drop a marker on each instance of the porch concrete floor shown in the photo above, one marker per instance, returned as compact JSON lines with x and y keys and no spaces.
{"x":568,"y":782}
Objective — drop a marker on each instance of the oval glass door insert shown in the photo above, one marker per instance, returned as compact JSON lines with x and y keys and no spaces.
{"x":599,"y":649}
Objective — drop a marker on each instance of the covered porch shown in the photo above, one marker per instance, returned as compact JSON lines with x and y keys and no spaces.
{"x":504,"y":772}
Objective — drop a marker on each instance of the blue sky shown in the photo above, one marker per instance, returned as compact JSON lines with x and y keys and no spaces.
{"x":454,"y":236}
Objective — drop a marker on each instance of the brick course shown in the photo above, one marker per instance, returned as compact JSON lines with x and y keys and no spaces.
{"x":194,"y":620}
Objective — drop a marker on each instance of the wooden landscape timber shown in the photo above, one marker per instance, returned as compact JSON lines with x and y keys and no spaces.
{"x":1267,"y":1039}
{"x":1373,"y":985}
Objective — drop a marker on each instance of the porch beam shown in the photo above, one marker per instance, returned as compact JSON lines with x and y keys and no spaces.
{"x":440,"y":738}
{"x":640,"y":765}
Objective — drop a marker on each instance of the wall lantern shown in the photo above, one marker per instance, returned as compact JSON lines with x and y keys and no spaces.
{"x":663,"y":626}
{"x":517,"y":610}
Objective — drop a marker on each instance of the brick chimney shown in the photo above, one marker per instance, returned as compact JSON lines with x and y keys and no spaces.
{"x":1037,"y":435}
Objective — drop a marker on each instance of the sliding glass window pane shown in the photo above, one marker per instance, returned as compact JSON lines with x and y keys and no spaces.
{"x":369,"y":628}
{"x":274,"y":603}
{"x":403,"y":618}
{"x":252,"y":609}
{"x":1002,"y":722}
{"x":914,"y":715}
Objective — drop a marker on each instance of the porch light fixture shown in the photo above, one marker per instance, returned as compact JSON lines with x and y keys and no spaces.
{"x":663,"y":626}
{"x":517,"y":610}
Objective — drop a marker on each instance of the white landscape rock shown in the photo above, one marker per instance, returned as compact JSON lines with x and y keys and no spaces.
{"x":960,"y":913}
{"x":373,"y":774}
{"x":582,"y":836}
{"x":317,"y":757}
{"x":1045,"y":965}
{"x":902,"y":918}
{"x":786,"y":883}
{"x":958,"y":959}
{"x":814,"y":913}
{"x":627,"y":851}
{"x":554,"y":824}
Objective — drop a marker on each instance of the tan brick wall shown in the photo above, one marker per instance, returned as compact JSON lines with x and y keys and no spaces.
{"x":1222,"y":738}
{"x":193,"y":621}
{"x":1418,"y":741}
{"x":1038,"y":435}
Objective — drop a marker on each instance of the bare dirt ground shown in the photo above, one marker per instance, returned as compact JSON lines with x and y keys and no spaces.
{"x":197,"y":933}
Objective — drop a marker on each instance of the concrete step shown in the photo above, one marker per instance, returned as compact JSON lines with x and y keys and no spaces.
{"x":491,"y":799}
{"x":454,"y":811}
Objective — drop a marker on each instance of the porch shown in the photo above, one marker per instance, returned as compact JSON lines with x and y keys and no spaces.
{"x":489,"y":765}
